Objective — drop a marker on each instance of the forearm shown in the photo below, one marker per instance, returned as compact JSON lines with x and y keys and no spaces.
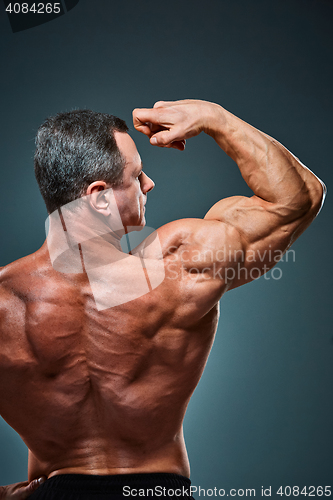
{"x":277,"y":178}
{"x":268,"y":168}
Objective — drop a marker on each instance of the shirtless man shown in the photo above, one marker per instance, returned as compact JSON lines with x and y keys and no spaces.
{"x":101,"y":393}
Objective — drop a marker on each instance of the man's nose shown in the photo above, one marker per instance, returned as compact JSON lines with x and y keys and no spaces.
{"x":147,"y":183}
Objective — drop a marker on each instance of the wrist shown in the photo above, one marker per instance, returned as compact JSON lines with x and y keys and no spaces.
{"x":214,"y":120}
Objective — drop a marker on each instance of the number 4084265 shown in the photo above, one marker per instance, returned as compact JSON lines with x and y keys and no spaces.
{"x":35,"y":8}
{"x":310,"y":491}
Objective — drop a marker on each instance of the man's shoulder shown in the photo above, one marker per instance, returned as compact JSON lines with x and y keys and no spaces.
{"x":167,"y":239}
{"x":195,"y":233}
{"x":16,"y":276}
{"x":10,"y":299}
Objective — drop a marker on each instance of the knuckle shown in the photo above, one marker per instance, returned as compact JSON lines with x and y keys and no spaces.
{"x":162,"y":139}
{"x":158,"y":104}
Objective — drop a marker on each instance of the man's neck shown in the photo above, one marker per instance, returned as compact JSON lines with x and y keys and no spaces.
{"x":76,"y":241}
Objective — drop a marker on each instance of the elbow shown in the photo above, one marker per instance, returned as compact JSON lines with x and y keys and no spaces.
{"x":323,"y":194}
{"x":318,"y":197}
{"x":314,"y":200}
{"x":307,"y":204}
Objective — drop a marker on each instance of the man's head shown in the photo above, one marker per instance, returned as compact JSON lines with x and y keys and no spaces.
{"x":127,"y":200}
{"x":131,"y":196}
{"x":75,"y":149}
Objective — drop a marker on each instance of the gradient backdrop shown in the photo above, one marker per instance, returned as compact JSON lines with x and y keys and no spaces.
{"x":262,"y":413}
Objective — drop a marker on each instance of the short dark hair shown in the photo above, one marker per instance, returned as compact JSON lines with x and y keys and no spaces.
{"x":74,"y":149}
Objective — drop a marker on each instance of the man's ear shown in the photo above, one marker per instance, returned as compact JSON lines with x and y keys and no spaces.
{"x":96,"y":195}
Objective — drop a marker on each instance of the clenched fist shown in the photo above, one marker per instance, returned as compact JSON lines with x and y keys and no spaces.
{"x":169,"y":124}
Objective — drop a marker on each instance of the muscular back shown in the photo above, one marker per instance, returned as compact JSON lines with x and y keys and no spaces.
{"x":102,"y":391}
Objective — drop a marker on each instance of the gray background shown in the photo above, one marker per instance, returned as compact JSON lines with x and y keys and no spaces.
{"x":262,"y":413}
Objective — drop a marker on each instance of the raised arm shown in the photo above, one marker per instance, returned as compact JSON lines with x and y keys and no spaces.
{"x":287,"y":195}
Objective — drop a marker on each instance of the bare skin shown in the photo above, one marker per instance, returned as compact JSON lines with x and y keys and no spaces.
{"x":20,"y":491}
{"x":105,"y":392}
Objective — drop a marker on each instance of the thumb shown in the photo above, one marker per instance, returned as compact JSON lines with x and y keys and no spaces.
{"x":165,"y":138}
{"x":31,"y":487}
{"x":20,"y":491}
{"x":160,"y":138}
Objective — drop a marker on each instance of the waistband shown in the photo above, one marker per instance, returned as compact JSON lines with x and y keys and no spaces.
{"x":120,"y":483}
